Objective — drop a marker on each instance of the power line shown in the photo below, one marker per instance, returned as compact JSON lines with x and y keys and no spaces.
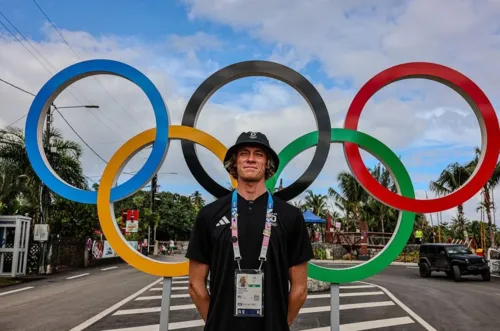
{"x":55,"y":69}
{"x":67,"y":43}
{"x":15,"y":86}
{"x":71,"y":127}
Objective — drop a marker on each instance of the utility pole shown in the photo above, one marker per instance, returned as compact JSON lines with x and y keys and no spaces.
{"x":45,"y":196}
{"x":154,"y":185}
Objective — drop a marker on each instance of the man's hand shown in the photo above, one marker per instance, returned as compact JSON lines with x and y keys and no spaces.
{"x":198,"y":273}
{"x":298,"y":290}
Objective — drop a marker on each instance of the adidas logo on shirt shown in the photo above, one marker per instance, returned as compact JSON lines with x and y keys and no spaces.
{"x":223,"y":221}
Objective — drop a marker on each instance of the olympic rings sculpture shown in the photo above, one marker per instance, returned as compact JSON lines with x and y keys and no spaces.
{"x":352,"y":140}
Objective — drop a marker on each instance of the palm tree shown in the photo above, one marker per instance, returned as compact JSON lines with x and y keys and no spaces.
{"x":487,"y":203}
{"x":64,"y":158}
{"x":316,"y":203}
{"x":352,"y":197}
{"x":197,"y":200}
{"x":450,"y":180}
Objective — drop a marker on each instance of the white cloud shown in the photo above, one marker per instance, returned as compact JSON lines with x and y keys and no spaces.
{"x":193,"y":43}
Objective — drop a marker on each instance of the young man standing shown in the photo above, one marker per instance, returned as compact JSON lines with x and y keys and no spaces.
{"x":250,"y":235}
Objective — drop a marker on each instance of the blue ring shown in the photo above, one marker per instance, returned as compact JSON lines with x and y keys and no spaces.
{"x":56,"y":85}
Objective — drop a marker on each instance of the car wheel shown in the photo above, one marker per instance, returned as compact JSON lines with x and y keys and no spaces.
{"x":486,"y":276}
{"x":456,"y":273}
{"x":424,"y":270}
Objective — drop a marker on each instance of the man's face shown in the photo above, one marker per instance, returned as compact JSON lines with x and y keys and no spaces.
{"x":251,"y":164}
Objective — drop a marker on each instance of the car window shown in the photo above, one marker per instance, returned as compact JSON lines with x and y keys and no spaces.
{"x":458,"y":250}
{"x":494,"y":255}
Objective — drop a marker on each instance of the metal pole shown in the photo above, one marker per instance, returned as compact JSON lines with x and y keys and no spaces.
{"x":334,"y":307}
{"x":165,"y":303}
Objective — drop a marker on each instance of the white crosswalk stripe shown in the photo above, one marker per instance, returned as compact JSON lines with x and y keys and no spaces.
{"x":362,"y":307}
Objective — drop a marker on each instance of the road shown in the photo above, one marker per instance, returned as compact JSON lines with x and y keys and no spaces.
{"x":124,"y":299}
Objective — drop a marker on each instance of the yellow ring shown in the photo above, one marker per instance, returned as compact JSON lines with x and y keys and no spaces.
{"x":105,"y":209}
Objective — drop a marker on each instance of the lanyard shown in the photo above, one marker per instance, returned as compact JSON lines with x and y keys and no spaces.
{"x":234,"y":229}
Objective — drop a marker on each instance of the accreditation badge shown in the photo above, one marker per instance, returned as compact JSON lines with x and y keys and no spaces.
{"x":249,"y":293}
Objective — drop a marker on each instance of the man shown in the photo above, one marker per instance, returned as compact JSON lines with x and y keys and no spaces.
{"x":418,"y":236}
{"x":171,"y":246}
{"x":231,"y":247}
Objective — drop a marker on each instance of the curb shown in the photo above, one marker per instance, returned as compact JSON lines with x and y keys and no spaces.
{"x":408,"y":264}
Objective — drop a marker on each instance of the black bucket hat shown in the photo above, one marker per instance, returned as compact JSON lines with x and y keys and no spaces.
{"x":252,"y":139}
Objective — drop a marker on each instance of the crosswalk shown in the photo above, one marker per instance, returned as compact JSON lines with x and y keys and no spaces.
{"x":362,"y":307}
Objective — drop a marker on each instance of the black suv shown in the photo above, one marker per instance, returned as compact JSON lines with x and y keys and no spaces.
{"x":455,"y":260}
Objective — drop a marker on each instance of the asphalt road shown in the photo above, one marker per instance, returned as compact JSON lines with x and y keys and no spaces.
{"x":118,"y":298}
{"x":448,"y":306}
{"x":58,"y":303}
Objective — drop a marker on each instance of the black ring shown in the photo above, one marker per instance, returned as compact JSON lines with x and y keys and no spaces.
{"x":265,"y":69}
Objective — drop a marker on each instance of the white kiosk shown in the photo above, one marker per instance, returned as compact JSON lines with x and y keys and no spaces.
{"x":14,"y":242}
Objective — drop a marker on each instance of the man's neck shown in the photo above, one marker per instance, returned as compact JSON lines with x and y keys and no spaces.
{"x":251,"y":190}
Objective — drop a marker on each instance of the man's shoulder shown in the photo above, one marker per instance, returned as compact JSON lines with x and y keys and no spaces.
{"x":286,"y":208}
{"x":215,"y":207}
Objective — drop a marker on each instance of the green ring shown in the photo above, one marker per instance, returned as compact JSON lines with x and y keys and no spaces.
{"x":404,"y":227}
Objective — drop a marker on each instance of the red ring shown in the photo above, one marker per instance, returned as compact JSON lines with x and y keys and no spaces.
{"x":488,"y":121}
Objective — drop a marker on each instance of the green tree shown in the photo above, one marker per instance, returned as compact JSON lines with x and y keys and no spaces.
{"x":317,"y":203}
{"x":487,"y":202}
{"x":451,"y":179}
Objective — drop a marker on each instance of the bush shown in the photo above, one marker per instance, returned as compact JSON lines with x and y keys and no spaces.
{"x":320,"y":253}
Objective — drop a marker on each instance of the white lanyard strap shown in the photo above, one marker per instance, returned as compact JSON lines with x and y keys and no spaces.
{"x":266,"y":233}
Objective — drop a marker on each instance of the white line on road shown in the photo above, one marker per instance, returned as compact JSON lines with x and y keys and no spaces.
{"x":78,"y":276}
{"x":344,"y":327}
{"x":171,"y":326}
{"x":18,"y":290}
{"x":157,"y":297}
{"x":109,"y":268}
{"x":152,"y":310}
{"x":405,"y":308}
{"x":355,"y":287}
{"x":105,"y":312}
{"x":320,"y":309}
{"x":369,"y":324}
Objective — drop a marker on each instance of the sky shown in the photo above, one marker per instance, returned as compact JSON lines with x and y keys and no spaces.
{"x":338,"y":46}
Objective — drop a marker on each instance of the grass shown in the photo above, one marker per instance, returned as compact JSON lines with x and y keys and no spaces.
{"x":7,"y":281}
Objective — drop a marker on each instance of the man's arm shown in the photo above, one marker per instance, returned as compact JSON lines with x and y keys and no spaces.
{"x":198,"y":273}
{"x":298,"y":290}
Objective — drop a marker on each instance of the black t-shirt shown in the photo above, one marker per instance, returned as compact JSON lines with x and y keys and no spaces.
{"x":211,"y":244}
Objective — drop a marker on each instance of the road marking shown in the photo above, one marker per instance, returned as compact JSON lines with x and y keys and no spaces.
{"x":342,"y":295}
{"x":320,"y":309}
{"x":171,"y":326}
{"x":78,"y":276}
{"x":105,"y":312}
{"x":174,"y":288}
{"x":368,"y":325}
{"x":152,"y":310}
{"x":18,"y":290}
{"x":156,"y":297}
{"x":412,"y":267}
{"x":109,"y":268}
{"x":180,"y":281}
{"x":405,"y":308}
{"x":355,"y":287}
{"x":343,"y":327}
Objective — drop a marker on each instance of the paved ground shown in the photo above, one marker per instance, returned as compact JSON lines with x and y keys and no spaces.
{"x":127,"y":300}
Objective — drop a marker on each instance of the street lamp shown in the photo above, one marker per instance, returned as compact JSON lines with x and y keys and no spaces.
{"x":84,"y":106}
